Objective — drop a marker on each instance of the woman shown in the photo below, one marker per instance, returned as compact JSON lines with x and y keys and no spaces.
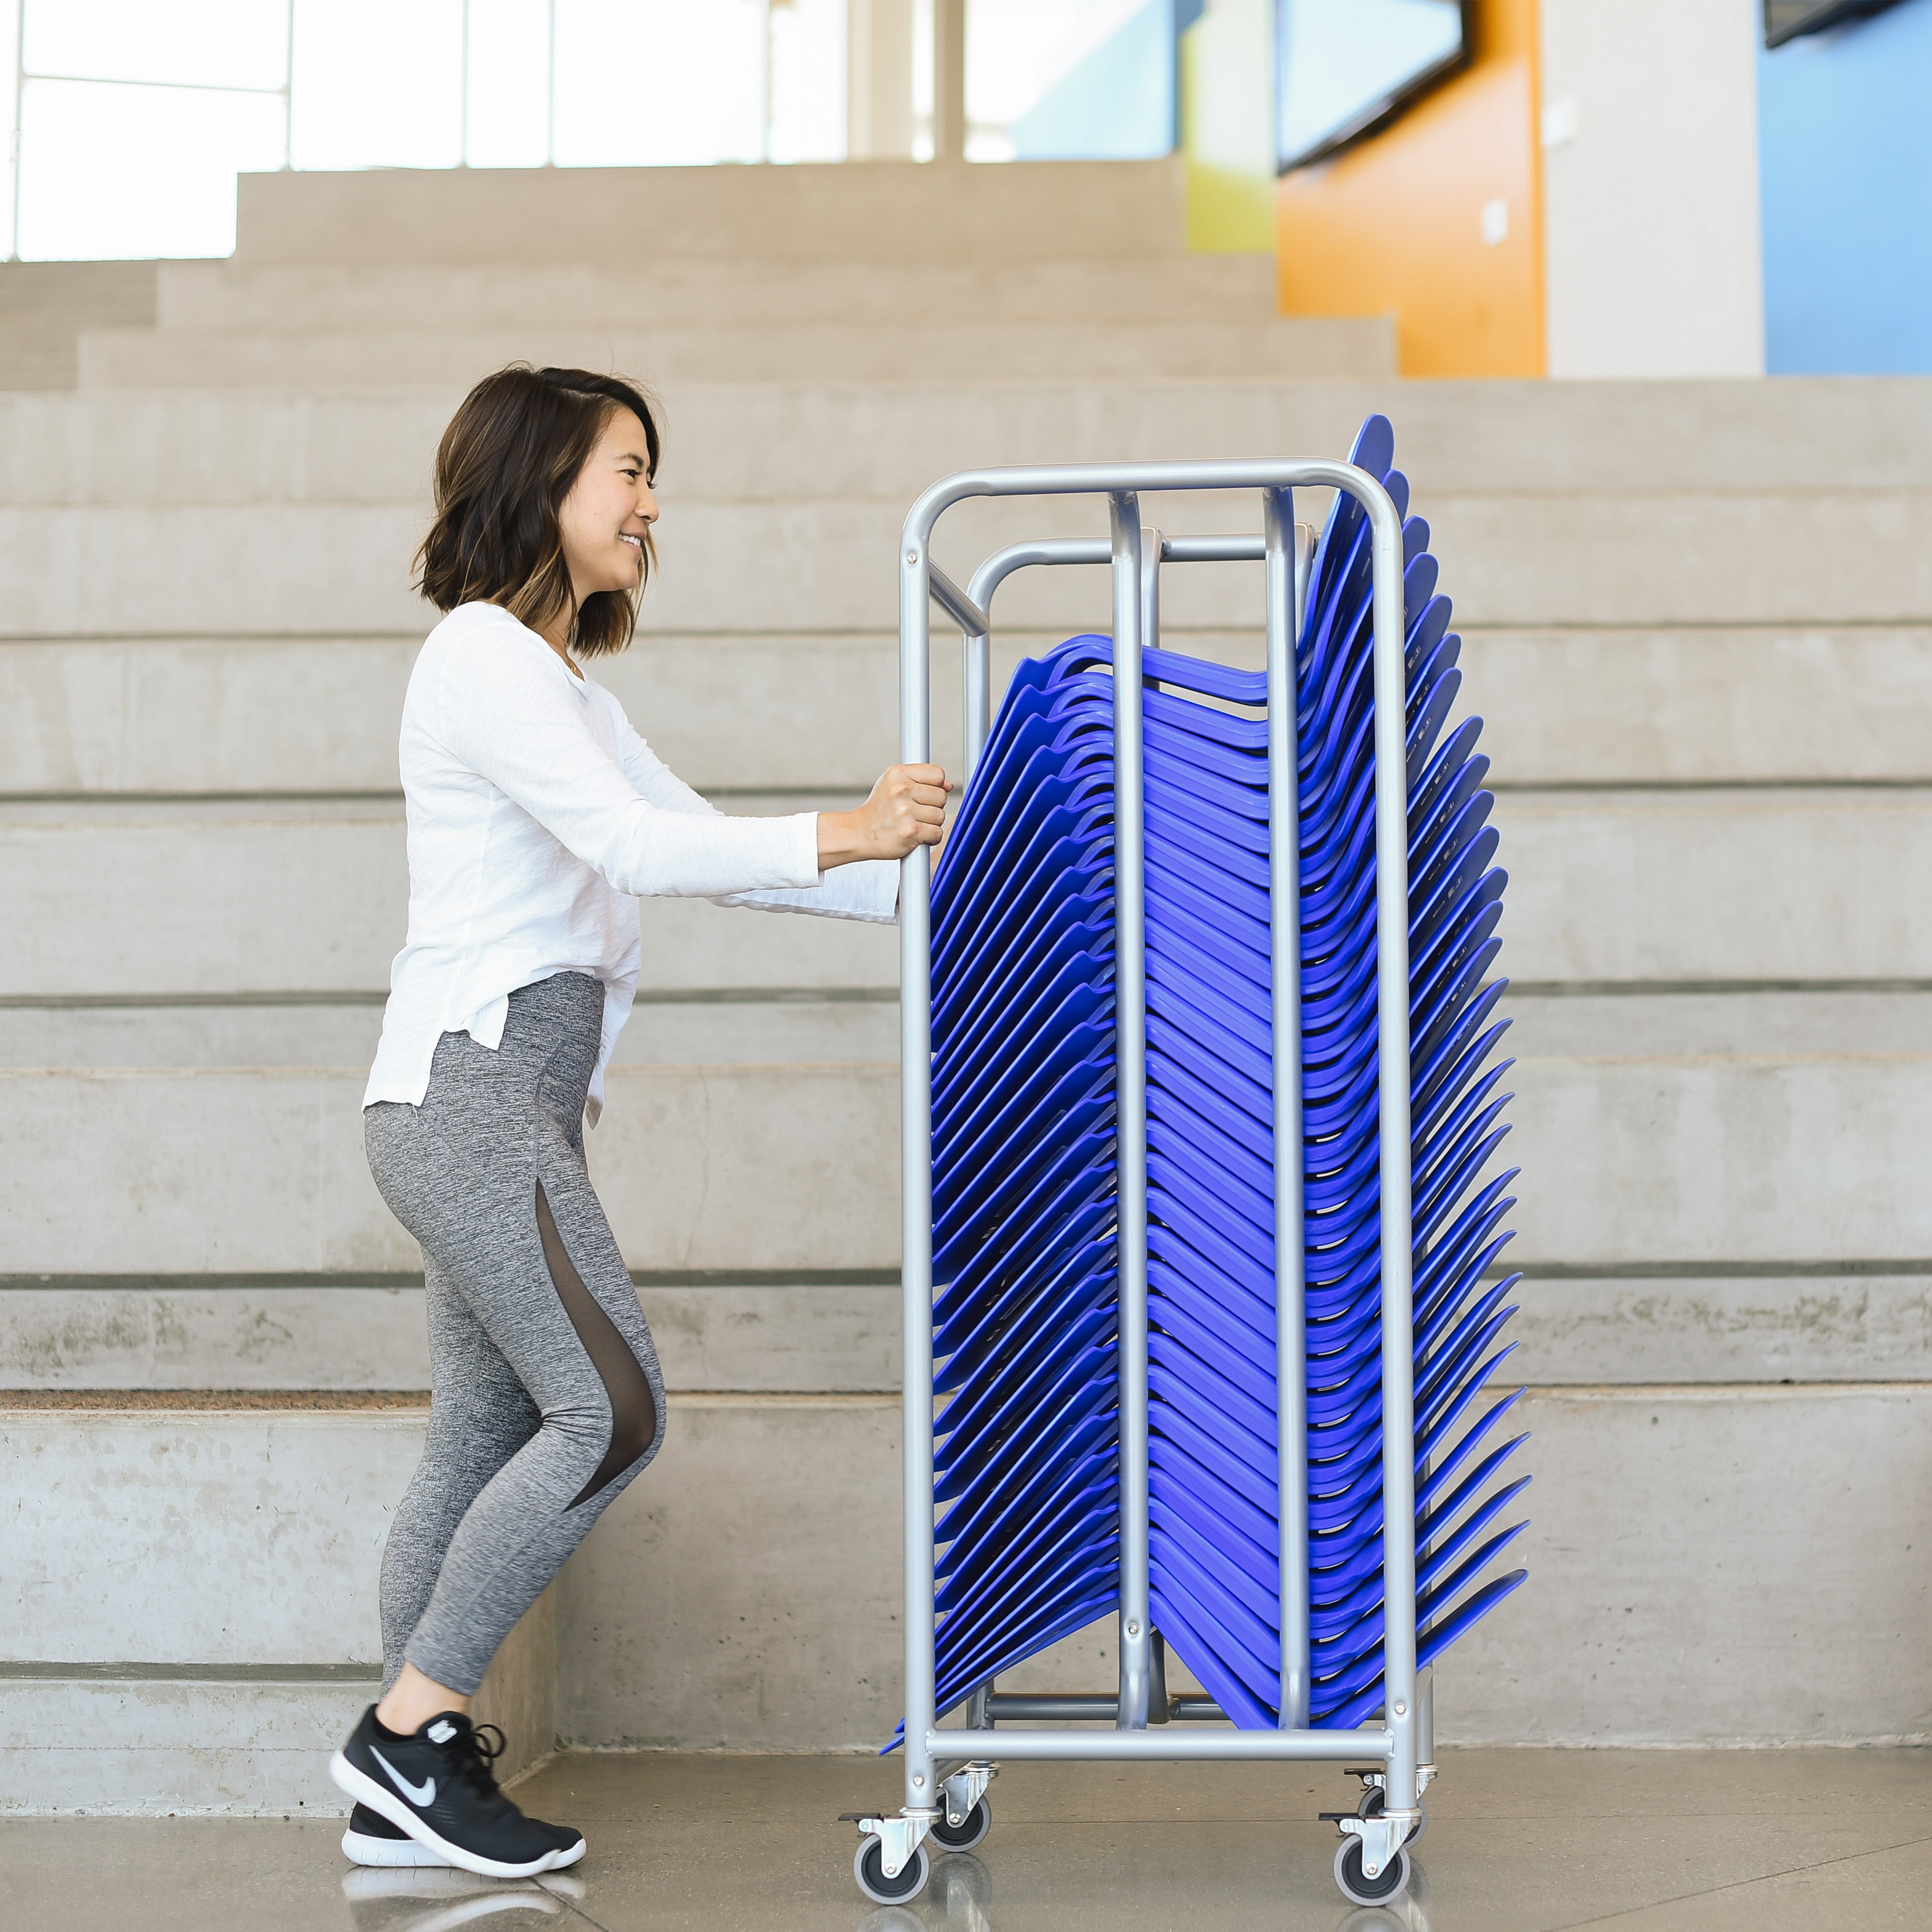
{"x":536,"y":814}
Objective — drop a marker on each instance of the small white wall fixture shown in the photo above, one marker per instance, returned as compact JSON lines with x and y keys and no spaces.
{"x":1652,"y":234}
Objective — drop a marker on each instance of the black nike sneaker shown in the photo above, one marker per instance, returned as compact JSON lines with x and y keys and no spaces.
{"x":436,"y":1786}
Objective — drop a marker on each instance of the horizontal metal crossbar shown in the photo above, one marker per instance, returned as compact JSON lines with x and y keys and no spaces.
{"x":1158,"y":1746}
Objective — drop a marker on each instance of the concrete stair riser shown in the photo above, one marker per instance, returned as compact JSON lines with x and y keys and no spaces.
{"x":1713,"y":1158}
{"x":140,"y":1747}
{"x":266,"y":715}
{"x":1727,"y":1326}
{"x":747,"y":1027}
{"x":1093,"y":351}
{"x":888,"y":212}
{"x":189,"y":930}
{"x":229,"y":298}
{"x":745,"y":1593}
{"x":819,"y":1338}
{"x":231,"y":898}
{"x":218,"y":1170}
{"x":1534,"y":560}
{"x":130,"y":1743}
{"x":255,"y":1535}
{"x":1663,"y":1520}
{"x":44,"y":306}
{"x":763,"y":442}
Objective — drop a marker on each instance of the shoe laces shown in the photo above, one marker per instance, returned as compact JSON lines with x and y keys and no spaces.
{"x":480,"y":1753}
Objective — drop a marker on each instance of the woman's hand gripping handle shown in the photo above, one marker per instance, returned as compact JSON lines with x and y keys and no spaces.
{"x":906,"y":808}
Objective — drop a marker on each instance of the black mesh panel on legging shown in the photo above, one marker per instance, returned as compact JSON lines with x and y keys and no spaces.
{"x":634,"y":1415}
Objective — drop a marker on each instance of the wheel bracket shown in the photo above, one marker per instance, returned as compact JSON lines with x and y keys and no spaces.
{"x":898,"y":1837}
{"x":1382,"y":1836}
{"x":964,"y":1790}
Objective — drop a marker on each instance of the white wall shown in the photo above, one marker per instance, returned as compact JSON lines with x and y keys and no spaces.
{"x":1651,"y":197}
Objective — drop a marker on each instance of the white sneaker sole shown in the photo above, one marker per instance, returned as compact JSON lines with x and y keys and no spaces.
{"x":360,"y":1849}
{"x":386,"y":1804}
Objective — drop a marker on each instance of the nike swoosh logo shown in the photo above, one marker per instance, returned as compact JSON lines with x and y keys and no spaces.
{"x":418,"y":1794}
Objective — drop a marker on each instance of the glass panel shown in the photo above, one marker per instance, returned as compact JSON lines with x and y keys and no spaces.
{"x":659,"y":81}
{"x":112,"y":170}
{"x":1067,"y":79}
{"x":808,"y":80}
{"x":9,"y":40}
{"x":509,"y":83}
{"x":208,"y":42}
{"x":1344,"y":63}
{"x":379,"y":83}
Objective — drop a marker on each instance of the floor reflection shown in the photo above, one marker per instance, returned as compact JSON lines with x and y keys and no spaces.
{"x":437,"y":1899}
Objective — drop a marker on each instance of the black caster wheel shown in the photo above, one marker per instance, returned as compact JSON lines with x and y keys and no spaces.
{"x":1358,"y":1888}
{"x":1371,"y":1806}
{"x":967,"y":1833}
{"x":869,"y":1867}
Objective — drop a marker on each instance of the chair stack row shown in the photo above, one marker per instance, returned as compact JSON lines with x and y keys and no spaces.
{"x":1026,"y":1484}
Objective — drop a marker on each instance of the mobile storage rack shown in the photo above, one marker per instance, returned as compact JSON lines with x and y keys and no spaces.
{"x":947,"y":1773}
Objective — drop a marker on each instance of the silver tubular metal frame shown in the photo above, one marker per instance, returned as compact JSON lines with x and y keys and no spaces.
{"x":1396,"y":1741}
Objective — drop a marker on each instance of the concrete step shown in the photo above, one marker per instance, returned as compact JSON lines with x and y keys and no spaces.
{"x":392,"y":298}
{"x":748,"y":1026}
{"x":1726,"y":1322}
{"x":1768,"y":885}
{"x":806,"y":1337}
{"x":1534,"y":560}
{"x":339,"y":917}
{"x":1097,"y":349}
{"x":45,"y":305}
{"x":288,"y":1507}
{"x":758,"y":441}
{"x":1721,"y":1130}
{"x":746,"y":1592}
{"x":883,"y":212}
{"x":228,"y":1170}
{"x":1691,"y":706}
{"x":179,"y":1698}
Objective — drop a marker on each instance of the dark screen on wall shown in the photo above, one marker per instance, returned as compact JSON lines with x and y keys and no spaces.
{"x":1343,"y":68}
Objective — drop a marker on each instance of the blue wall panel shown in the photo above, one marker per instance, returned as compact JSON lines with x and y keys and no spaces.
{"x":1845,"y":139}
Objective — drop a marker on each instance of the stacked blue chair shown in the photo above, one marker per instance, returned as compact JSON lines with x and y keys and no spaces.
{"x":1023,"y":1158}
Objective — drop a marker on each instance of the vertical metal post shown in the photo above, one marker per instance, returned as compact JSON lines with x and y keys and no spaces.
{"x":549,"y":106}
{"x":20,"y":108}
{"x":978,"y":695}
{"x":1279,"y":549}
{"x":288,"y":81}
{"x":1398,"y":1345}
{"x":1130,"y":1108}
{"x":916,"y":1178}
{"x":765,"y":86}
{"x":463,"y":139}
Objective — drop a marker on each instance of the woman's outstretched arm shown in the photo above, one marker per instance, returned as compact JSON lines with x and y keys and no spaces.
{"x":858,"y":850}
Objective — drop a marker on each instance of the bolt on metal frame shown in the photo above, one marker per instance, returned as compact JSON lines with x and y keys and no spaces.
{"x":946,"y":1771}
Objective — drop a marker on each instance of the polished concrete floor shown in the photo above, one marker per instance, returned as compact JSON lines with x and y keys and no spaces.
{"x":1518,"y":1841}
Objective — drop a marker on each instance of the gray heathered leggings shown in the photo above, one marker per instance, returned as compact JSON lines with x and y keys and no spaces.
{"x":547,"y":1396}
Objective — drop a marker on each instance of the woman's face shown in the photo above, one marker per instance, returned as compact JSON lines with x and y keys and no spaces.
{"x":605,"y":519}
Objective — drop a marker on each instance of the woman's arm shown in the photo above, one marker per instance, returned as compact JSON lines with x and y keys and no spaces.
{"x":506,"y":713}
{"x":907,"y":807}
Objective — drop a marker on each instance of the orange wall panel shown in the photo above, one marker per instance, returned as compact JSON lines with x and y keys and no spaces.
{"x":1395,"y":225}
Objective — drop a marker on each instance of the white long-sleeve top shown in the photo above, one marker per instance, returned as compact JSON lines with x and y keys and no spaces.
{"x":536,"y":816}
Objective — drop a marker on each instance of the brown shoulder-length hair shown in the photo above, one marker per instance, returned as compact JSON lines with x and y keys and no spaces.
{"x":504,"y":466}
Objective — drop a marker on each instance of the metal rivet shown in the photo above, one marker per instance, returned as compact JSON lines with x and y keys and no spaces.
{"x":1402,"y":1710}
{"x":912,"y":556}
{"x":1133,"y":1630}
{"x":917,"y":1780}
